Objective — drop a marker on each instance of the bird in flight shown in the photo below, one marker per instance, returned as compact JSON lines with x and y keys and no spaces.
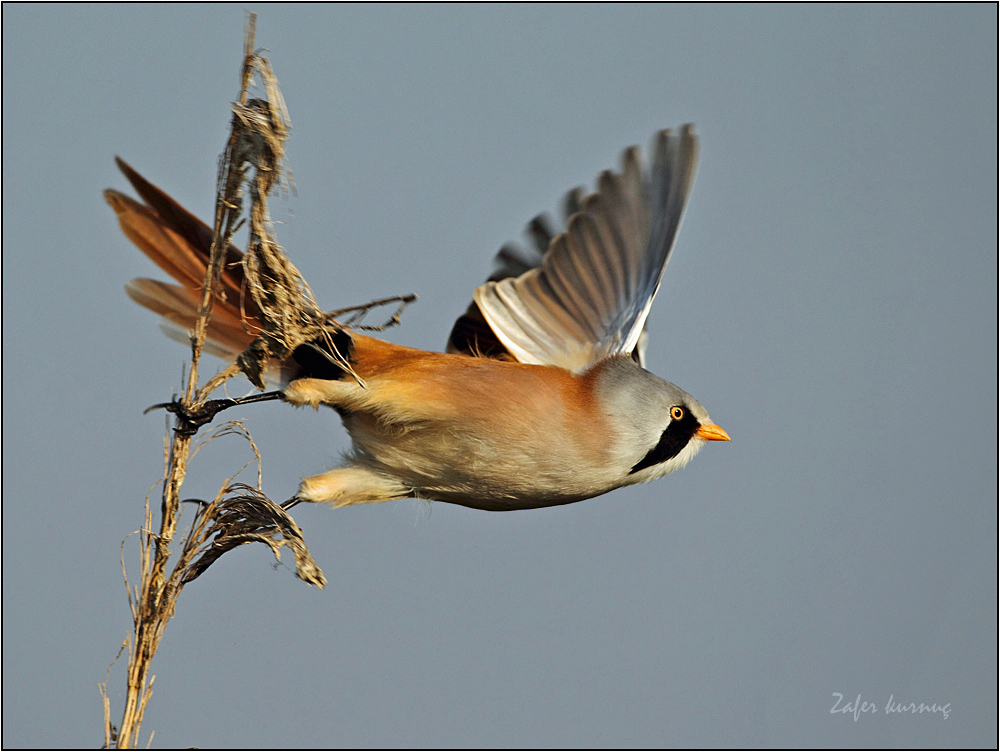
{"x":541,"y":398}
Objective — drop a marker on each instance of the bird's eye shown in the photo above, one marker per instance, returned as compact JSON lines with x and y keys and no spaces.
{"x":676,"y":412}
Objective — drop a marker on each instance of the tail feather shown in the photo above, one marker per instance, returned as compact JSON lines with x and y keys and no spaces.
{"x":181,"y":306}
{"x":182,"y":334}
{"x":180,"y":244}
{"x":169,"y":250}
{"x":175,"y":239}
{"x":196,"y":233}
{"x":192,"y":229}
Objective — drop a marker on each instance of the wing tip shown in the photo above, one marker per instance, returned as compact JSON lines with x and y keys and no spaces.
{"x":508,"y":305}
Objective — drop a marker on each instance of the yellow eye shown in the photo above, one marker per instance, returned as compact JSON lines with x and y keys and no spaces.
{"x":676,"y":412}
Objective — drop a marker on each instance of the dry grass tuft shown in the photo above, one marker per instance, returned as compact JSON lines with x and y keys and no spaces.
{"x":242,"y":514}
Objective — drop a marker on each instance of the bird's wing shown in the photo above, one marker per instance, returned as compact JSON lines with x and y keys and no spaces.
{"x":590,"y":295}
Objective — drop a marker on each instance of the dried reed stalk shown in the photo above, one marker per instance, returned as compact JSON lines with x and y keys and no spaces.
{"x":239,"y":513}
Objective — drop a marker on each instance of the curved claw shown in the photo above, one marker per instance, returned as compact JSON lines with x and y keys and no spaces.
{"x":157,"y":406}
{"x":189,"y":421}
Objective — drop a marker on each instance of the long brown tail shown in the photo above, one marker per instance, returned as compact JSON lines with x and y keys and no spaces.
{"x":179,"y":243}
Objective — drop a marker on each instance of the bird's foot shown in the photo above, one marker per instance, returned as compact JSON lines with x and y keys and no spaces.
{"x":189,"y":421}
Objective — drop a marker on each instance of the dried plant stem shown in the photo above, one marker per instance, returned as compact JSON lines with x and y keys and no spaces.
{"x":227,"y":216}
{"x":155,"y":602}
{"x":285,"y":317}
{"x":239,"y":514}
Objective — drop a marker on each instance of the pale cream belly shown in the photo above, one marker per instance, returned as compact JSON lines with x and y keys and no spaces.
{"x":466,"y":464}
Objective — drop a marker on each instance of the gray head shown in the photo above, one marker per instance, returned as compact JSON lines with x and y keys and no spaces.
{"x":660,"y":426}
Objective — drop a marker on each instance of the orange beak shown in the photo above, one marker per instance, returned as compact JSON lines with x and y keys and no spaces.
{"x":711,"y":432}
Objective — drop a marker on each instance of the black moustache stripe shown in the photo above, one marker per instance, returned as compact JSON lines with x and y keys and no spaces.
{"x":673,"y":439}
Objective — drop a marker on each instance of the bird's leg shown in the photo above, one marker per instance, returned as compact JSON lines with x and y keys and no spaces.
{"x":348,"y":485}
{"x":291,"y":502}
{"x":189,"y":421}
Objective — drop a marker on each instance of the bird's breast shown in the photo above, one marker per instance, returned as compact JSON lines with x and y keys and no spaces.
{"x":498,"y":433}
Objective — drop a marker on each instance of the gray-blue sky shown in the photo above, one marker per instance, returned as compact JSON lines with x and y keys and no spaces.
{"x":832,"y":301}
